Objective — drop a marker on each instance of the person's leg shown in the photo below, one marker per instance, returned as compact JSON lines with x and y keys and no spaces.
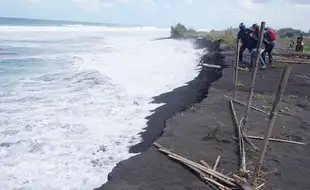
{"x":252,"y":56}
{"x":242,"y":48}
{"x":263,"y":56}
{"x":263,"y":63}
{"x":270,"y":49}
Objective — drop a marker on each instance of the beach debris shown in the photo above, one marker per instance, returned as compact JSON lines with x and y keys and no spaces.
{"x":213,"y":66}
{"x":208,"y":174}
{"x":244,"y":104}
{"x":276,"y":140}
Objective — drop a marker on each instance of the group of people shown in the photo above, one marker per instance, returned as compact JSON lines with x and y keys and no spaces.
{"x":249,"y":39}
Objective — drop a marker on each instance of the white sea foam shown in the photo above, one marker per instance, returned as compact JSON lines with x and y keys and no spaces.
{"x":73,"y":102}
{"x":78,"y":28}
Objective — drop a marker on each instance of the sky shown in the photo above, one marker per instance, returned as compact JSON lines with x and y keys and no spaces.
{"x":198,"y":14}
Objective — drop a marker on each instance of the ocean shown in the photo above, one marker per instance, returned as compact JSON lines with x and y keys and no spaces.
{"x":74,"y":98}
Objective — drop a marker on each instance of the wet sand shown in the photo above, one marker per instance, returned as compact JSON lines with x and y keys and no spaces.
{"x":205,"y":130}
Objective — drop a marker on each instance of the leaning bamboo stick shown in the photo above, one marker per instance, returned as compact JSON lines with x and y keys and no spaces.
{"x":244,"y":104}
{"x":235,"y":77}
{"x":216,"y":163}
{"x":257,"y":59}
{"x":277,"y":140}
{"x":272,"y":119}
{"x":260,"y":186}
{"x":240,"y":139}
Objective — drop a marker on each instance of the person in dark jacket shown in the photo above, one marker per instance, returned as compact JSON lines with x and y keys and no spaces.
{"x":247,"y":42}
{"x":254,"y":37}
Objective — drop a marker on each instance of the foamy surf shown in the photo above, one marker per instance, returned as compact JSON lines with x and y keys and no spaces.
{"x":79,"y":28}
{"x":72,"y":103}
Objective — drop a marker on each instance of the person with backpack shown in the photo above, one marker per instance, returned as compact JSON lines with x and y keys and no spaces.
{"x":269,"y":42}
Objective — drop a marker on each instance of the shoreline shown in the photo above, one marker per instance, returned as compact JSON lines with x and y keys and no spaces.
{"x":205,"y":130}
{"x":176,"y":101}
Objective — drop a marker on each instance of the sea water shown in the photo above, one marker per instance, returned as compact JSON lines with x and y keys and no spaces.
{"x":74,"y":98}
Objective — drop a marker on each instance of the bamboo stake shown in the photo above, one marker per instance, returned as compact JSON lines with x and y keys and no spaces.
{"x":260,"y":186}
{"x":244,"y":104}
{"x":240,"y":139}
{"x":235,"y":77}
{"x":257,"y":58}
{"x":272,"y":118}
{"x":216,"y":163}
{"x":276,"y":140}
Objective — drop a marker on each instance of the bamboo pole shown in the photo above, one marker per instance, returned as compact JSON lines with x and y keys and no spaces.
{"x":216,"y":163}
{"x":277,"y":140}
{"x":272,"y":118}
{"x":235,"y":77}
{"x":242,"y":168}
{"x":244,"y":104}
{"x":257,"y":58}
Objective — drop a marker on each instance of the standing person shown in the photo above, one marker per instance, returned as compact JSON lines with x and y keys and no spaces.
{"x":244,"y":36}
{"x":300,"y":44}
{"x":254,"y":36}
{"x":269,"y":42}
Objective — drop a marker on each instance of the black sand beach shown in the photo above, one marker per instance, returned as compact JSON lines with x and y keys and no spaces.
{"x":205,"y":130}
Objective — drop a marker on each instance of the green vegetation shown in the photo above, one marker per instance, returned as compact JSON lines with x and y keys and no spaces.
{"x":285,"y":110}
{"x":240,"y":84}
{"x":290,"y":33}
{"x":180,"y":31}
{"x":257,"y":96}
{"x":228,"y":36}
{"x":243,"y":69}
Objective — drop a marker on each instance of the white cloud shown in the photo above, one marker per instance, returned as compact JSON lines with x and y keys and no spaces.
{"x":302,"y":5}
{"x":33,"y":1}
{"x":149,"y":1}
{"x":188,"y":1}
{"x":167,"y":6}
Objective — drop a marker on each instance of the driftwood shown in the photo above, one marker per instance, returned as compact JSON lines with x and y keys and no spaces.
{"x":244,"y":104}
{"x":216,"y":175}
{"x":276,"y":140}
